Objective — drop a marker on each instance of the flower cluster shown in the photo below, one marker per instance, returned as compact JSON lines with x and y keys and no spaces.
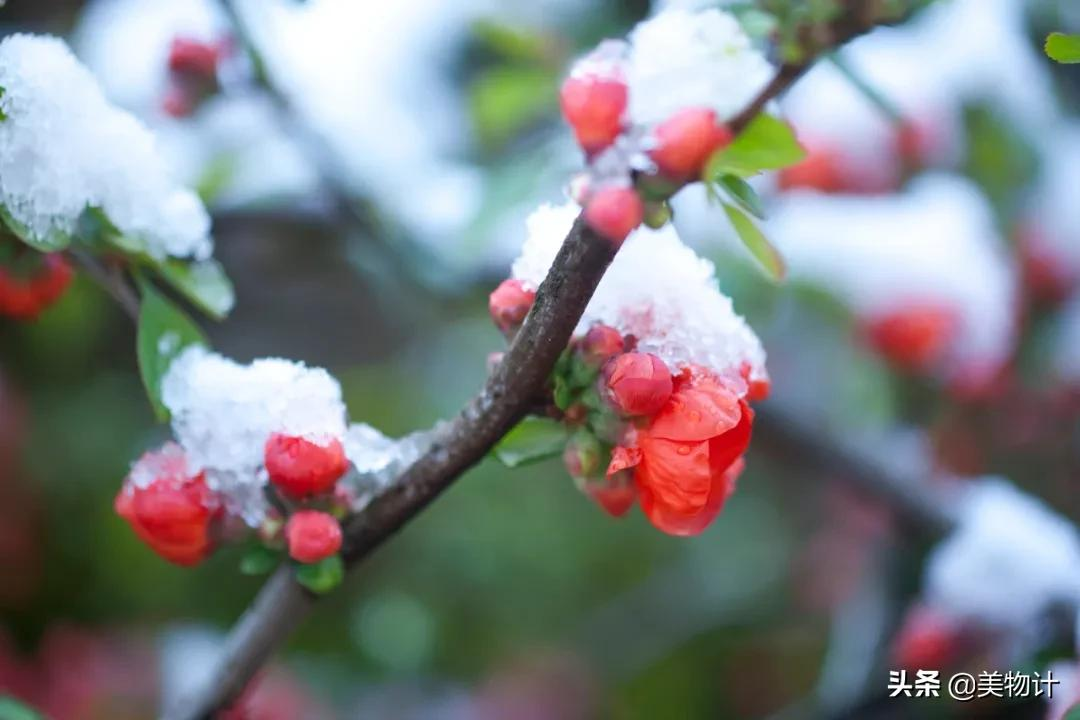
{"x":264,"y":445}
{"x":651,"y":110}
{"x":655,"y":387}
{"x":30,"y":282}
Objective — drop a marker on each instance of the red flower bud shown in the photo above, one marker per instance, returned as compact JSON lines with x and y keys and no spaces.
{"x":301,"y":468}
{"x":615,"y":212}
{"x":637,"y":383}
{"x":912,"y":338}
{"x":53,"y":280}
{"x":684,"y":142}
{"x":600,"y":344}
{"x":691,"y":454}
{"x":594,"y":107}
{"x":168,"y":508}
{"x":194,"y":58}
{"x":24,"y":297}
{"x":581,"y":456}
{"x":821,"y":169}
{"x":509,"y":304}
{"x":312,"y":535}
{"x":927,"y":639}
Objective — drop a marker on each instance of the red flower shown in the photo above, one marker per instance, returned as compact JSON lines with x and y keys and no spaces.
{"x":168,"y":508}
{"x":685,"y":141}
{"x":312,"y":536}
{"x":300,"y":467}
{"x":914,"y":337}
{"x":594,"y":107}
{"x":821,"y":169}
{"x":24,"y":297}
{"x":194,"y":57}
{"x":691,"y":453}
{"x":509,"y":304}
{"x":637,"y":383}
{"x":615,"y":212}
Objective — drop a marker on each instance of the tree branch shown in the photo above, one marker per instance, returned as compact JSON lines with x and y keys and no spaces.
{"x":111,"y":279}
{"x":506,"y":397}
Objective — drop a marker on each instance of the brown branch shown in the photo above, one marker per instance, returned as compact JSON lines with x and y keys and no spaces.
{"x":507,"y":396}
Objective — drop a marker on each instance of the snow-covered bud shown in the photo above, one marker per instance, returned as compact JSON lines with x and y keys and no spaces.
{"x":300,"y":467}
{"x":594,"y":99}
{"x":637,"y":383}
{"x":615,"y":212}
{"x":509,"y":304}
{"x":600,"y":344}
{"x":684,"y":142}
{"x":312,"y":535}
{"x":170,"y":508}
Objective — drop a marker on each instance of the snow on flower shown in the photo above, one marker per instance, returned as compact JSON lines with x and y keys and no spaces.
{"x":1010,"y":559}
{"x":224,"y":412}
{"x":933,"y":248}
{"x":658,"y":290}
{"x":64,"y":148}
{"x":681,"y":59}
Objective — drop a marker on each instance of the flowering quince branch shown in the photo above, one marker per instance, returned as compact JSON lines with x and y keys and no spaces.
{"x":541,"y":311}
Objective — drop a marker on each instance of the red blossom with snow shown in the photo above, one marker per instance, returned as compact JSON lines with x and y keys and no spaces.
{"x":301,"y":468}
{"x":169,"y":507}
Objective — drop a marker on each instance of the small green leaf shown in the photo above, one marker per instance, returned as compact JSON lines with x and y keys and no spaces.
{"x":756,"y":242}
{"x":164,"y":332}
{"x":52,"y":242}
{"x":506,"y":99}
{"x":1063,"y":48}
{"x":740,"y":191}
{"x":259,"y":560}
{"x":323,"y":576}
{"x":12,"y":709}
{"x":767,"y":143}
{"x":532,"y":440}
{"x":510,"y":42}
{"x":203,"y":283}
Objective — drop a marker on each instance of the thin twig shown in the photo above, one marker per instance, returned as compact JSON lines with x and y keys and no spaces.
{"x":111,"y":279}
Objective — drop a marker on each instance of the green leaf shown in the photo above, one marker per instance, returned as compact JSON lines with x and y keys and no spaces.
{"x":52,"y":242}
{"x":511,"y":42}
{"x":756,"y":242}
{"x":506,"y":99}
{"x":12,"y":709}
{"x":164,"y":332}
{"x":323,"y":576}
{"x":766,"y":144}
{"x":203,"y":283}
{"x":1063,"y":48}
{"x":740,"y":191}
{"x":532,"y":440}
{"x":259,"y":560}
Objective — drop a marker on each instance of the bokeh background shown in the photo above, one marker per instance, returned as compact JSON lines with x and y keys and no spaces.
{"x":368,"y":190}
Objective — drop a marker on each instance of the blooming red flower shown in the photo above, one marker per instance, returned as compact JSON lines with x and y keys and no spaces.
{"x":637,"y":383}
{"x":312,"y":535}
{"x":615,"y":212}
{"x":913,"y":337}
{"x":170,"y":509}
{"x":691,"y":453}
{"x":509,"y":304}
{"x":302,"y":467}
{"x":685,"y":141}
{"x":601,"y":343}
{"x":594,"y":106}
